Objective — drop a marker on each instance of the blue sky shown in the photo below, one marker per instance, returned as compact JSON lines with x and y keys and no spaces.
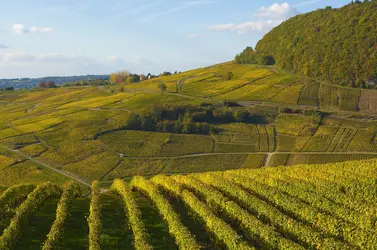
{"x":72,"y":37}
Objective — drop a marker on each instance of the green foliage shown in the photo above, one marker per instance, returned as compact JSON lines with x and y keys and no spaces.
{"x":328,"y":206}
{"x":34,"y":150}
{"x":181,"y":234}
{"x":222,"y":231}
{"x":54,"y":237}
{"x":14,"y":196}
{"x":28,"y":172}
{"x":294,"y":124}
{"x":250,"y":56}
{"x":253,"y":228}
{"x":302,"y":231}
{"x":337,"y":45}
{"x":94,"y":220}
{"x":25,"y":211}
{"x":330,"y":224}
{"x":162,"y":87}
{"x":134,"y":215}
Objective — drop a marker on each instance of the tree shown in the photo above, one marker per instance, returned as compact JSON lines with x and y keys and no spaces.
{"x":241,"y":116}
{"x":166,"y":73}
{"x":133,"y":122}
{"x":42,"y":84}
{"x":51,"y":84}
{"x":230,"y":75}
{"x":132,"y":78}
{"x":143,"y":77}
{"x":148,"y":123}
{"x":334,"y":45}
{"x":162,"y":86}
{"x":250,"y":56}
{"x":119,"y":77}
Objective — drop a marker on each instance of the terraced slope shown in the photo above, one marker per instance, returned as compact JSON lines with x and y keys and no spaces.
{"x":329,"y":206}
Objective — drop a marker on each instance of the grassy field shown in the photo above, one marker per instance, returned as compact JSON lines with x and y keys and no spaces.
{"x":276,"y":207}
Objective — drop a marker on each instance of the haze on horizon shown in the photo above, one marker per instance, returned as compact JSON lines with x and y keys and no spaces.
{"x":44,"y":38}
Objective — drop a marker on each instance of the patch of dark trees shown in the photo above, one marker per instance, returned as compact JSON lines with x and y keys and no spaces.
{"x":189,"y":119}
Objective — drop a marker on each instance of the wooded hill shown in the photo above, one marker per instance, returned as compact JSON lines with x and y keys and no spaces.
{"x":337,"y":45}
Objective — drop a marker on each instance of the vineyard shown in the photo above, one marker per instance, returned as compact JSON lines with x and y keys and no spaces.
{"x":330,"y":206}
{"x":224,"y":117}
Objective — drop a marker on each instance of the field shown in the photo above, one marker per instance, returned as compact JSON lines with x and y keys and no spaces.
{"x":79,"y":133}
{"x":300,"y":207}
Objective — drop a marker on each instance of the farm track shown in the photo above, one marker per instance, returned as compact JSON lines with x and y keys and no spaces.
{"x":268,"y":159}
{"x":70,"y":176}
{"x":248,"y":153}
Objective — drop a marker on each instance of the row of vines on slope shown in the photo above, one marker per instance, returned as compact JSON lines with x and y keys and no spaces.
{"x":54,"y":238}
{"x":134,"y":215}
{"x":223,"y":233}
{"x":25,"y":211}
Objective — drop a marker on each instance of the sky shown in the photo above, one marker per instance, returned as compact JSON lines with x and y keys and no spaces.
{"x":78,"y":37}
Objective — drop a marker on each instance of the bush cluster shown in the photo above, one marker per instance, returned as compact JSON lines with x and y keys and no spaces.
{"x":186,"y":119}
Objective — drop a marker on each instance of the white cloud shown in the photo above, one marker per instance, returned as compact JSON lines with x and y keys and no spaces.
{"x":277,"y":12}
{"x":193,"y":36}
{"x":269,"y":17}
{"x":22,"y":29}
{"x":19,"y":29}
{"x":3,"y":46}
{"x":40,"y":30}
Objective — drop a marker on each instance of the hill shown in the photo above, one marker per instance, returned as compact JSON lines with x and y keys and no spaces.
{"x":329,"y":206}
{"x":337,"y":45}
{"x":207,"y":120}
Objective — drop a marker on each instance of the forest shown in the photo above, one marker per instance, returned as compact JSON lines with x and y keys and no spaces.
{"x":336,"y":45}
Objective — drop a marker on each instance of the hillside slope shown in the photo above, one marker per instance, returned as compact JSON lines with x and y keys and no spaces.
{"x":338,"y":45}
{"x":253,"y":84}
{"x":329,"y":206}
{"x":80,"y":133}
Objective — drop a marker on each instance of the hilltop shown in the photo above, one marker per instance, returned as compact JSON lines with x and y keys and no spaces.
{"x":336,"y":45}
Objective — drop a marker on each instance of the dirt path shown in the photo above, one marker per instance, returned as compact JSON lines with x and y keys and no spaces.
{"x":268,"y":159}
{"x":32,"y":108}
{"x":243,"y":153}
{"x":75,"y":178}
{"x":109,"y":109}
